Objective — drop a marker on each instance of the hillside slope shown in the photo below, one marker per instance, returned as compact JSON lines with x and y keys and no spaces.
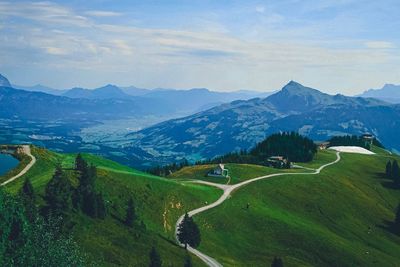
{"x":340,"y":217}
{"x":158,"y":202}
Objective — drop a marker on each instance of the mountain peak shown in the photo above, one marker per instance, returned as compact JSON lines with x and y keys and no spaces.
{"x":4,"y":81}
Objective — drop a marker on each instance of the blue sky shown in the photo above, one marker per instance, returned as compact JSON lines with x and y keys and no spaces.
{"x":343,"y":46}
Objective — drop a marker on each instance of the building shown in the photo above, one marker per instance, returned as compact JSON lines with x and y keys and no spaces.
{"x":368,"y":138}
{"x":219,"y":171}
{"x":277,"y":162}
{"x":322,"y":145}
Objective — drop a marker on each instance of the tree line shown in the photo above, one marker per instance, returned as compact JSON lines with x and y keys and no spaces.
{"x":290,"y":145}
{"x":29,"y":239}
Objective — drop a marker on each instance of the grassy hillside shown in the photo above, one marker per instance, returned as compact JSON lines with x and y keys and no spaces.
{"x":337,"y":218}
{"x":159,"y":202}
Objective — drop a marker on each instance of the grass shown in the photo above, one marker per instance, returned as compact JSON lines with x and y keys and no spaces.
{"x":340,"y":217}
{"x":242,"y":172}
{"x":159,"y":202}
{"x":337,"y":218}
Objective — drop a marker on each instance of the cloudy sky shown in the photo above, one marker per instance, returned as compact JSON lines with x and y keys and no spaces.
{"x":343,"y":46}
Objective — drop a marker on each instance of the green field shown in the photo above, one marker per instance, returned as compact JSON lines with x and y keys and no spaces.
{"x":159,"y":202}
{"x":337,"y":218}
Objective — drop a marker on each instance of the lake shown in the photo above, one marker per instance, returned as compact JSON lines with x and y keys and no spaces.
{"x":7,"y":162}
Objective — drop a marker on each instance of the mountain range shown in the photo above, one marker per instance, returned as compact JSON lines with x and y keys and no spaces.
{"x":389,"y":93}
{"x":172,"y":101}
{"x":241,"y":124}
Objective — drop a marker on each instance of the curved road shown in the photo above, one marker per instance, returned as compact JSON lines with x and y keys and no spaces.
{"x":227,"y":191}
{"x":27,"y":150}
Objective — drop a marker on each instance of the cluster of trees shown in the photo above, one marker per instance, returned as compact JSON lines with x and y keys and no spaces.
{"x":292,"y":146}
{"x":61,"y":196}
{"x":188,"y":232}
{"x":166,"y":170}
{"x":85,"y":197}
{"x":27,"y":238}
{"x":353,"y":140}
{"x":393,"y":172}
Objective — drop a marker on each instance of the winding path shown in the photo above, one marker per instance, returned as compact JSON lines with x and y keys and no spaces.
{"x":228,"y":189}
{"x":27,"y":150}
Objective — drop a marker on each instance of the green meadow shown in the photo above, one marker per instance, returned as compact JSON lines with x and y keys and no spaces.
{"x":340,"y":217}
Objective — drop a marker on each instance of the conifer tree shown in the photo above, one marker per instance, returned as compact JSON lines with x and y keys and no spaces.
{"x":188,"y":261}
{"x":396,"y":173}
{"x":396,"y":224}
{"x":277,"y":262}
{"x":389,"y":170}
{"x":130,"y":213}
{"x":28,"y":197}
{"x":155,"y":259}
{"x":188,"y":232}
{"x":58,"y":193}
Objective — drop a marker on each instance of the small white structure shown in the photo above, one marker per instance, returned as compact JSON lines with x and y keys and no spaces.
{"x":219,"y":171}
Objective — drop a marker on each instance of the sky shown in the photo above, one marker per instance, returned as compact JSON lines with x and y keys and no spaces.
{"x":337,"y":46}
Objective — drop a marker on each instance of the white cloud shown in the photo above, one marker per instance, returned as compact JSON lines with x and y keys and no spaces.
{"x":379,"y":45}
{"x":66,"y":41}
{"x":100,"y":13}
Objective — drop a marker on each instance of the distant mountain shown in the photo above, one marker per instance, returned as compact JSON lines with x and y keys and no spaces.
{"x":134,"y":91}
{"x":4,"y":81}
{"x":23,"y":104}
{"x":106,"y":92}
{"x":241,"y":124}
{"x":40,"y":88}
{"x":389,"y":93}
{"x":192,"y":100}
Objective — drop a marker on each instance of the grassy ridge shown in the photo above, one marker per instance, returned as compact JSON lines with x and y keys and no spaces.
{"x":337,"y":218}
{"x":159,"y":202}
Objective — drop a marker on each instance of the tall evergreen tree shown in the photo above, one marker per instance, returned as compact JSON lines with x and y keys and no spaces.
{"x":396,"y":173}
{"x":79,"y":162}
{"x":188,"y":261}
{"x":188,"y":232}
{"x":277,"y":262}
{"x":389,"y":170}
{"x":130,"y":213}
{"x":28,"y":197}
{"x":58,"y":193}
{"x":396,"y":224}
{"x":155,"y":259}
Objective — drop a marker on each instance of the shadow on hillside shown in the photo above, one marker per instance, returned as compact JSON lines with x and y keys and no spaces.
{"x":169,"y":240}
{"x":385,"y":182}
{"x":389,"y":226}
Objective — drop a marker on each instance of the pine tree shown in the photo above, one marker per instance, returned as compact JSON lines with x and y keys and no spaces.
{"x":79,"y":162}
{"x":396,"y":173}
{"x":28,"y":197}
{"x":188,"y":232}
{"x":101,"y":207}
{"x":155,"y":259}
{"x":389,"y":170}
{"x":188,"y":261}
{"x":58,"y":193}
{"x":277,"y":262}
{"x":130,"y":213}
{"x":396,"y":224}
